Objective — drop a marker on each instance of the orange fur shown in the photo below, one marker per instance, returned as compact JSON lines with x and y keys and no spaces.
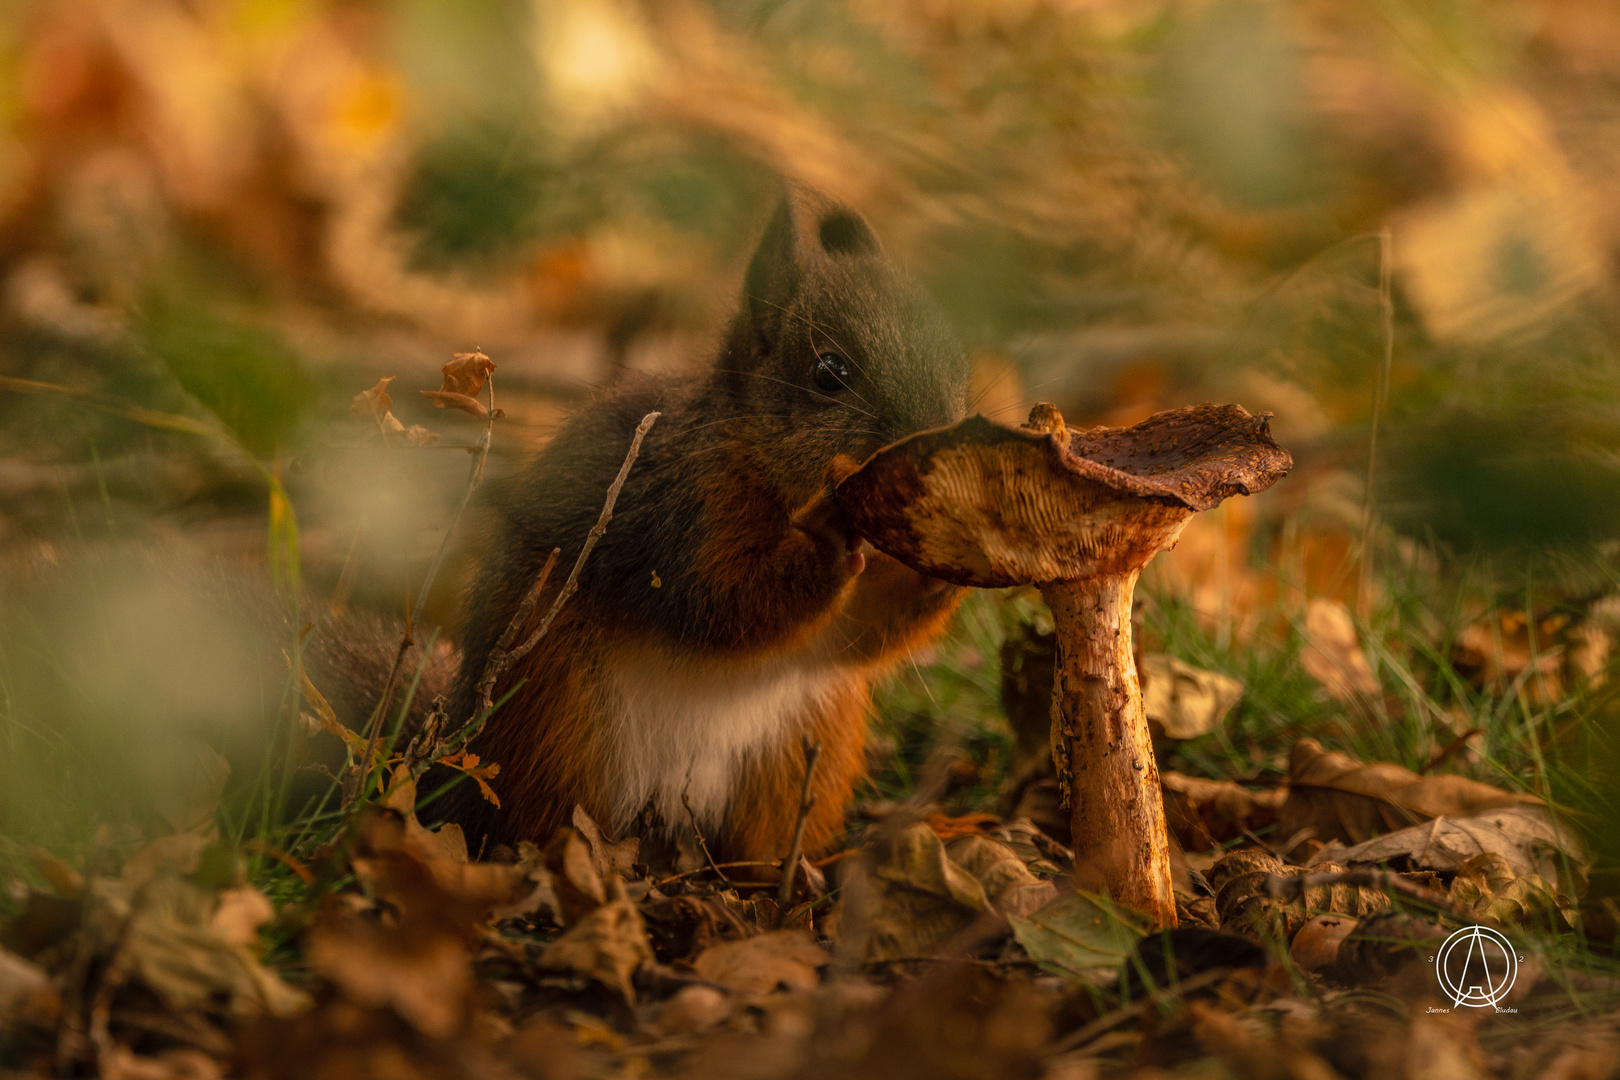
{"x":550,"y":758}
{"x":765,"y":805}
{"x":548,"y":763}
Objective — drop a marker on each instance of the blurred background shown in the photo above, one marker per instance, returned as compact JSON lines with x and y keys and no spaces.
{"x":222,"y":219}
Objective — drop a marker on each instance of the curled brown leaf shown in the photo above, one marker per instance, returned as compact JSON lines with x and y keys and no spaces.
{"x":1337,"y":797}
{"x":466,"y":373}
{"x":446,"y":399}
{"x":373,"y":404}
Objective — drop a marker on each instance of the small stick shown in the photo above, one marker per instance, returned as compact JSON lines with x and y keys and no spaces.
{"x":501,"y":658}
{"x":715,"y":866}
{"x":790,"y":865}
{"x":1450,"y":748}
{"x":595,"y":534}
{"x":699,"y":832}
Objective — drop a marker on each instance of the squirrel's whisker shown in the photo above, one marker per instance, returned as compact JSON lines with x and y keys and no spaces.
{"x":814,"y":327}
{"x":796,"y":386}
{"x":984,"y":392}
{"x":735,"y":419}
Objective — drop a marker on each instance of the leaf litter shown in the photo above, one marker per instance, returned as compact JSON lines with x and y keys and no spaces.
{"x":931,"y":946}
{"x":949,"y":947}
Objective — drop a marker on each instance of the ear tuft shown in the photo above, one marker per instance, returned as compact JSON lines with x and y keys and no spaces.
{"x":844,"y":232}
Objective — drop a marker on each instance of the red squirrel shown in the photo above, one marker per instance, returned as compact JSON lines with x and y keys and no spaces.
{"x":727,"y":612}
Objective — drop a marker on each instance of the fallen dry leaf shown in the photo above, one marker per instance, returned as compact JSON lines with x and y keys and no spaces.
{"x":757,"y":966}
{"x":1332,"y":653}
{"x":607,"y":945}
{"x":466,"y":373}
{"x":467,"y":762}
{"x":958,"y":1021}
{"x":1185,"y":701}
{"x":1244,"y":903}
{"x":394,"y":831}
{"x":1243,"y":1043}
{"x":1525,"y":837}
{"x":419,"y":967}
{"x":1488,"y":884}
{"x":610,"y":856}
{"x":949,"y":828}
{"x":574,"y":876}
{"x":164,"y":941}
{"x":1077,"y":933}
{"x":693,"y":1010}
{"x":411,"y":952}
{"x":346,"y":1041}
{"x":913,"y":898}
{"x":1202,"y":813}
{"x":1008,"y":883}
{"x":373,"y":404}
{"x":686,"y":925}
{"x":1339,"y":798}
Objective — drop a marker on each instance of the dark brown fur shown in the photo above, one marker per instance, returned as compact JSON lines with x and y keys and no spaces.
{"x":729,"y":507}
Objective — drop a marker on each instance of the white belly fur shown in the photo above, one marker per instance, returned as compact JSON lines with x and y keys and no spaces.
{"x":673,"y":725}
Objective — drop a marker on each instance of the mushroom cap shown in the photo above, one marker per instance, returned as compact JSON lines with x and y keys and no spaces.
{"x":987,"y":504}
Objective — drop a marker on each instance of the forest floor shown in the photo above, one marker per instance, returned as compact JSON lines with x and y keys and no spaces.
{"x":1394,"y":856}
{"x":1316,"y":888}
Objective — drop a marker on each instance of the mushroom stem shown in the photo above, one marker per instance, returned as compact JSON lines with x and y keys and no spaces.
{"x":1102,"y":747}
{"x":1082,"y":512}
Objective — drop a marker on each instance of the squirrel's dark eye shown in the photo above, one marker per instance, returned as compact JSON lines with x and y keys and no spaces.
{"x":831,"y":372}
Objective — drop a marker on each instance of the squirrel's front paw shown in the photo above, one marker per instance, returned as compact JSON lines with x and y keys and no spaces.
{"x":823,"y":522}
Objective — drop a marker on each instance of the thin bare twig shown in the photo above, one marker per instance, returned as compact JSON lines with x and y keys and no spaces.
{"x":1450,"y":748}
{"x":501,"y":657}
{"x":790,"y":865}
{"x":702,"y":844}
{"x":426,"y":746}
{"x":354,"y":780}
{"x":715,"y":866}
{"x":595,"y":534}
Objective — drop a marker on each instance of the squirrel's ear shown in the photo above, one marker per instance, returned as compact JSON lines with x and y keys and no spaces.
{"x":774,"y":271}
{"x":808,"y":226}
{"x":844,"y":232}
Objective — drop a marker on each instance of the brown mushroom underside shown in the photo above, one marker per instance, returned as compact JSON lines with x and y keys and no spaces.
{"x":1079,"y":513}
{"x":990,"y":505}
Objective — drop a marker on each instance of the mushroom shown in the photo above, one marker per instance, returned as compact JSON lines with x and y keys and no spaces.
{"x":1078,"y":513}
